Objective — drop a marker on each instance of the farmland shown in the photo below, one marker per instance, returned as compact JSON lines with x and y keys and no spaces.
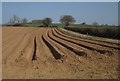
{"x":38,"y":53}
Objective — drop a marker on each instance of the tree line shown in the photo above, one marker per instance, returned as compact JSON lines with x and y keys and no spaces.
{"x":66,"y":20}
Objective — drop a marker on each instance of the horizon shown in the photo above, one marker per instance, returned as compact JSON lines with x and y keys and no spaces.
{"x":88,"y":12}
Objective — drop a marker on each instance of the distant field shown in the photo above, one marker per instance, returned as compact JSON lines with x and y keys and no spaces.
{"x":37,"y":25}
{"x":105,"y":31}
{"x":48,"y":53}
{"x":41,"y":25}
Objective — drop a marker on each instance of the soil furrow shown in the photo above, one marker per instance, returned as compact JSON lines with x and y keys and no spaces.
{"x":66,"y":53}
{"x":31,"y":56}
{"x":34,"y":53}
{"x":88,"y":41}
{"x":102,"y":51}
{"x":52,"y":49}
{"x":75,"y":50}
{"x":102,"y":41}
{"x":80,"y":51}
{"x":43,"y":53}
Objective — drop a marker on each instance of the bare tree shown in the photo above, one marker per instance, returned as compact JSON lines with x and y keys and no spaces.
{"x":18,"y":20}
{"x":14,"y":19}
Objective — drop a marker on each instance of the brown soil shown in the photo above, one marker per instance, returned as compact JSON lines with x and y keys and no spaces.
{"x":47,"y":53}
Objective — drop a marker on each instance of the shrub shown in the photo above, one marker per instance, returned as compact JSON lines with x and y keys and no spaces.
{"x":17,"y":24}
{"x":95,"y":31}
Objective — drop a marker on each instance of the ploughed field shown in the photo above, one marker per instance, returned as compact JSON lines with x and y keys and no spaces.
{"x":47,"y":53}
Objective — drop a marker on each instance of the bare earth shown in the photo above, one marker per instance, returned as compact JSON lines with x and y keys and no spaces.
{"x":47,"y":53}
